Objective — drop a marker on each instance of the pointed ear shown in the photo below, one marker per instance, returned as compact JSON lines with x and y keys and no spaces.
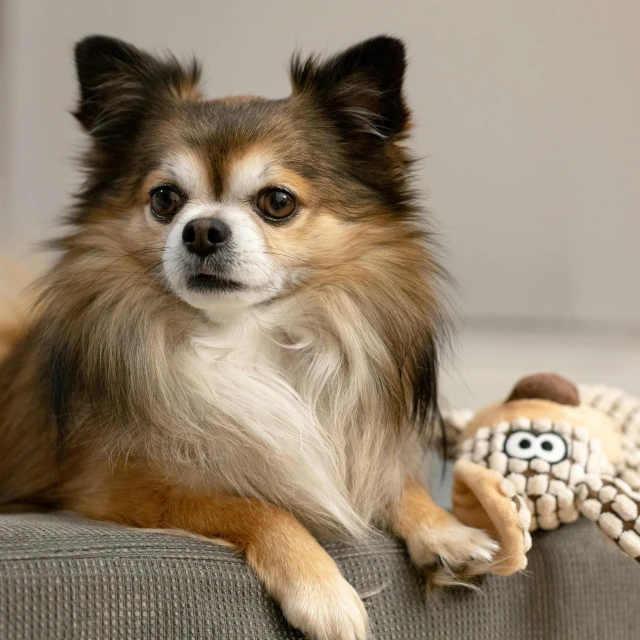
{"x":360,"y":89}
{"x":118,"y":82}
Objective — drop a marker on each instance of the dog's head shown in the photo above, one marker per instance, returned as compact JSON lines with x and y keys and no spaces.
{"x":296,"y":214}
{"x":239,"y":201}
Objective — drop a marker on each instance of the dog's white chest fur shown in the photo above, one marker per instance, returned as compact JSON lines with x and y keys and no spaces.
{"x":277,"y":426}
{"x":265,"y":437}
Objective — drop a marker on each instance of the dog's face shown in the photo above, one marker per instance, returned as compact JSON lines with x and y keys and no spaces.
{"x":241,"y":201}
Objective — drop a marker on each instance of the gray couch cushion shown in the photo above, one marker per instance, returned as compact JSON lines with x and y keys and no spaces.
{"x":66,"y":578}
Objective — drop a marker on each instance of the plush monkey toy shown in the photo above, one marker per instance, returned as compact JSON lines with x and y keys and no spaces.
{"x":545,"y":455}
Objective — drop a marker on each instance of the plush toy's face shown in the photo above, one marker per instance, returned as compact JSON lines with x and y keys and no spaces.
{"x":543,"y":440}
{"x":542,"y":459}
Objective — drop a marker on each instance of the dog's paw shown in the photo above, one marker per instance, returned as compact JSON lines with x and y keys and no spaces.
{"x":453,"y":554}
{"x":327,"y":609}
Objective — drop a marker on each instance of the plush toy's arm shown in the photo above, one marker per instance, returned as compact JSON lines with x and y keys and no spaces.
{"x":482,"y":498}
{"x":612,"y":504}
{"x":621,"y":407}
{"x":624,"y":410}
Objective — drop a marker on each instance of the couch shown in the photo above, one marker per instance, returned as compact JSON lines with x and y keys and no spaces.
{"x":65,"y":578}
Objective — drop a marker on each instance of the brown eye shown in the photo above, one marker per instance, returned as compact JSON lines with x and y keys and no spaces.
{"x":165,"y":202}
{"x":277,"y":204}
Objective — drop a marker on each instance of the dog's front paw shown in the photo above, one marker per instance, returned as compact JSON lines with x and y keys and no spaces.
{"x":325,"y":609}
{"x":452,"y":553}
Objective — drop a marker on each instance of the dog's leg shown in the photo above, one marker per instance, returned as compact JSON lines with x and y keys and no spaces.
{"x":296,"y":570}
{"x":436,"y":540}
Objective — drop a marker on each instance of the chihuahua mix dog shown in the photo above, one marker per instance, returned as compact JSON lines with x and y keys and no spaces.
{"x":240,"y":335}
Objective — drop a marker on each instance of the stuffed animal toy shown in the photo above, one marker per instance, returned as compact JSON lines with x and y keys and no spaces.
{"x":545,"y":455}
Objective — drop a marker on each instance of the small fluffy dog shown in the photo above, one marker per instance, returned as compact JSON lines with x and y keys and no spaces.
{"x":240,"y":336}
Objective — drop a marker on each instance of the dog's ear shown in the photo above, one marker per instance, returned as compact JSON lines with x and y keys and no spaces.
{"x":360,"y":89}
{"x":118,"y":83}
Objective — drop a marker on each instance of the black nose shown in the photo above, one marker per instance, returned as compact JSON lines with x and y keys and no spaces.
{"x":204,"y":236}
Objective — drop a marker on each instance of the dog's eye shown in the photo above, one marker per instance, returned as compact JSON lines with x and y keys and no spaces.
{"x":276,"y":204}
{"x":165,"y":202}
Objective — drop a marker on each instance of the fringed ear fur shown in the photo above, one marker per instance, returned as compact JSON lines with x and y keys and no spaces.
{"x":360,"y":89}
{"x":118,"y":82}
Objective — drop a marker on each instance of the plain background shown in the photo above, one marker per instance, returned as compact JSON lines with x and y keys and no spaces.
{"x":527,"y":117}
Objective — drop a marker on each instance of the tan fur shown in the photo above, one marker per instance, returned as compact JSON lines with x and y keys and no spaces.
{"x":295,"y":569}
{"x":417,"y":508}
{"x":9,"y":335}
{"x":16,"y":298}
{"x":436,"y":539}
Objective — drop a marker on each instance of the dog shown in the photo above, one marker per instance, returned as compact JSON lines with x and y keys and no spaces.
{"x":240,"y":335}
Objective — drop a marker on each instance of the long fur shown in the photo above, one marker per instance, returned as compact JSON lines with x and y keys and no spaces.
{"x":319,"y":397}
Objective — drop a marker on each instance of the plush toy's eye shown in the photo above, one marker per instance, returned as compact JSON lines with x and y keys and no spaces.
{"x":551,"y":447}
{"x":521,"y":444}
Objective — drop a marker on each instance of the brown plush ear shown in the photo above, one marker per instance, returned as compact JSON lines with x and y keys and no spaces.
{"x":483,"y":499}
{"x":546,"y":386}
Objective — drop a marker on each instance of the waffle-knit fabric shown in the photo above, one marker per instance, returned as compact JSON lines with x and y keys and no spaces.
{"x":64,"y":578}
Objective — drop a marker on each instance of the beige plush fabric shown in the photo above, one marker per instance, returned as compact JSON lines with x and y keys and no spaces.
{"x":614,"y":506}
{"x":483,"y":498}
{"x":624,"y":410}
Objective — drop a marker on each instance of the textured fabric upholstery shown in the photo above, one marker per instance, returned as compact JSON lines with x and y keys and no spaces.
{"x":65,"y":578}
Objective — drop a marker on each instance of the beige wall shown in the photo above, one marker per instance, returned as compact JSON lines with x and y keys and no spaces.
{"x":527,"y":114}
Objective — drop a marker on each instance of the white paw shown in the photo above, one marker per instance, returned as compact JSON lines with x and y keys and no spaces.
{"x":457,"y":552}
{"x":327,"y":609}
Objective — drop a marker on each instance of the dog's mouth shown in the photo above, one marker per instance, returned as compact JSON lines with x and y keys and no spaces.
{"x":209,"y":283}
